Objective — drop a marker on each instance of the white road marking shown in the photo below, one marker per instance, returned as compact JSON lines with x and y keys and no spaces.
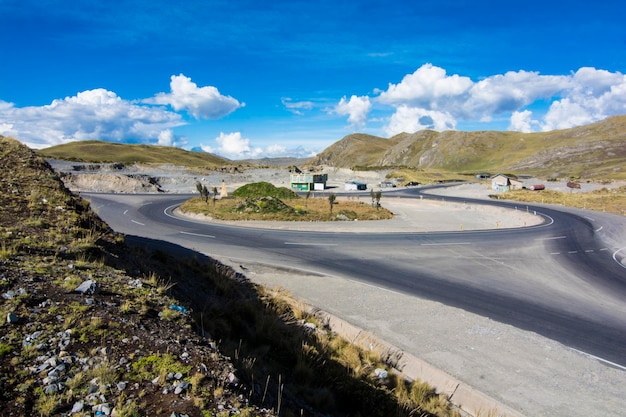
{"x":310,"y":244}
{"x":572,"y":251}
{"x":198,"y":234}
{"x":598,"y":229}
{"x":125,"y":211}
{"x":445,"y":244}
{"x":135,"y":221}
{"x":555,"y":253}
{"x":615,"y":257}
{"x":617,"y":365}
{"x":553,"y":238}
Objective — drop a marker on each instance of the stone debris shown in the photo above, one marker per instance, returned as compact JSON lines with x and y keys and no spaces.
{"x":88,"y":287}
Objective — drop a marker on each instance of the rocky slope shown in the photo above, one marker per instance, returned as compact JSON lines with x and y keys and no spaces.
{"x":90,"y":326}
{"x":597,"y":150}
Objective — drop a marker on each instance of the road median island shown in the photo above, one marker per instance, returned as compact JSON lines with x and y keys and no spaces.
{"x":410,"y":215}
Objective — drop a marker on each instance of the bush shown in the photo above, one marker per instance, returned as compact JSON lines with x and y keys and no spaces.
{"x":264,"y":189}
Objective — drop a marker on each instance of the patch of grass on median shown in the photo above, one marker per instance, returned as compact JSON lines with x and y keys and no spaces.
{"x":272,"y":209}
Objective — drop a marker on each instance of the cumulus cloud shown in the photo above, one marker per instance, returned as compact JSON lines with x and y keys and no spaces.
{"x":427,"y":87}
{"x":356,"y":109}
{"x":201,"y":102}
{"x":93,"y":114}
{"x":593,"y":95}
{"x":411,"y":119}
{"x":233,"y":146}
{"x":521,"y":121}
{"x":168,"y":138}
{"x":585,"y":96}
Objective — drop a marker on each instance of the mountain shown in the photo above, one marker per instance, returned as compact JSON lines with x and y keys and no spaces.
{"x":595,"y":150}
{"x":98,"y":151}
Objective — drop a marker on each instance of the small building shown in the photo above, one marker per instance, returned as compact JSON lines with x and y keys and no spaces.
{"x":501,"y":182}
{"x":308,"y":182}
{"x":355,"y":186}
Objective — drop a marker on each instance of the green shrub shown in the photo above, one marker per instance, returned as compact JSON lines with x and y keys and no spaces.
{"x":264,"y":189}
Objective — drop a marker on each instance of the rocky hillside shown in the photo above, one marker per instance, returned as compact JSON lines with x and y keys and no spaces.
{"x":99,"y":323}
{"x":597,"y":150}
{"x":92,"y":326}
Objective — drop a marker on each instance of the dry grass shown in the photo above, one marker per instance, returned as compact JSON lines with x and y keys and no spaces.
{"x":610,"y":201}
{"x":98,"y":151}
{"x":429,"y":176}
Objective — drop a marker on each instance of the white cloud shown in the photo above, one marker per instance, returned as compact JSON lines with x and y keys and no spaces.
{"x":93,"y":114}
{"x":508,"y":93}
{"x":521,"y":121}
{"x":201,"y":102}
{"x":585,"y":96}
{"x":411,"y":119}
{"x":296,"y":107}
{"x":275,"y":150}
{"x":427,"y":87}
{"x":356,"y":109}
{"x":166,"y":138}
{"x":233,"y":146}
{"x":594,"y":95}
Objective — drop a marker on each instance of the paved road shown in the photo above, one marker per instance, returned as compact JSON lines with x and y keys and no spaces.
{"x":500,"y":302}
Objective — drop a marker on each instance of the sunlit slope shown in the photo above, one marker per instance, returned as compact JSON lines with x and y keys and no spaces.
{"x":595,"y":150}
{"x":97,"y":151}
{"x":354,"y":150}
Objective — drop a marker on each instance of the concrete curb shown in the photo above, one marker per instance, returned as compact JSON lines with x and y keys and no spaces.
{"x":469,"y":401}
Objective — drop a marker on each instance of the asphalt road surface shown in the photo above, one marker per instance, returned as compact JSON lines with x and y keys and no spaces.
{"x":534,"y":317}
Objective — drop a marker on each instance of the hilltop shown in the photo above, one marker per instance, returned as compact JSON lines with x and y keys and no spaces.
{"x":595,"y":151}
{"x":102,"y":152}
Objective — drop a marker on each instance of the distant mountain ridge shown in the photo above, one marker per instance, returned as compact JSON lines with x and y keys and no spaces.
{"x":597,"y":150}
{"x":594,"y":150}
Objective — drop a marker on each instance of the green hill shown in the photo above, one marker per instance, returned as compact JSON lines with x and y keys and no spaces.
{"x":597,"y":150}
{"x":98,"y":151}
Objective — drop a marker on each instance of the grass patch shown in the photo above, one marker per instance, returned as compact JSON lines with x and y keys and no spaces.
{"x":264,"y":189}
{"x":159,"y":365}
{"x":271,"y":209}
{"x":607,"y":200}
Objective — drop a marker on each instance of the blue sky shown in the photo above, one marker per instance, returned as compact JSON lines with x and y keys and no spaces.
{"x":248,"y":79}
